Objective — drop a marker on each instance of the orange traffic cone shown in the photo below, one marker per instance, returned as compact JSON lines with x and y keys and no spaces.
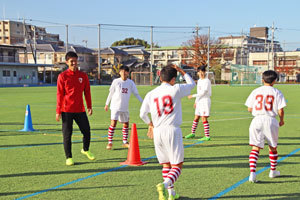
{"x":133,"y":157}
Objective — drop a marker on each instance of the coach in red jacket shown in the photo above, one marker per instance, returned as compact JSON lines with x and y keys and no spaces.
{"x":70,"y":86}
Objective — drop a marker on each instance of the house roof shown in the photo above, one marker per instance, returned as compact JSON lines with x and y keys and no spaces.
{"x":56,"y":48}
{"x":136,"y":52}
{"x":113,"y":50}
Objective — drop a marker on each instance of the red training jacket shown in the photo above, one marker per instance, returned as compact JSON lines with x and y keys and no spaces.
{"x":70,"y":86}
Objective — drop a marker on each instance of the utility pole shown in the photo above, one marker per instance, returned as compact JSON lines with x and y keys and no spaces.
{"x":34,"y":44}
{"x":67,"y":37}
{"x":99,"y":54}
{"x":197,"y":31}
{"x":25,"y":45}
{"x":242,"y":49}
{"x":268,"y":56}
{"x":272,"y":46}
{"x":208,"y":48}
{"x":152,"y":56}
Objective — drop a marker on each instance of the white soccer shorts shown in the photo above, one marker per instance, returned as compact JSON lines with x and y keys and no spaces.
{"x":119,"y":115}
{"x":203,"y":107}
{"x":168,"y":144}
{"x":263,"y":128}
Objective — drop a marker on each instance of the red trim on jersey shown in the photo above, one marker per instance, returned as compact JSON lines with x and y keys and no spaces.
{"x":70,"y":86}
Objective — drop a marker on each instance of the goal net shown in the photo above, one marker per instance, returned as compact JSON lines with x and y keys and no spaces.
{"x":142,"y":78}
{"x":245,"y":75}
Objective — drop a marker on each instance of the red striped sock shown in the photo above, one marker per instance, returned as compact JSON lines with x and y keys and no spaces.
{"x":206,"y":128}
{"x":173,"y":175}
{"x":273,"y":156}
{"x":194,"y":126}
{"x":111,"y":131}
{"x":253,"y":157}
{"x":125,"y":134}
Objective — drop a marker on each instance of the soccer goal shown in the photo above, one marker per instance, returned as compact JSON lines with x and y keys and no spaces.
{"x":142,"y":78}
{"x":244,"y":75}
{"x":211,"y":77}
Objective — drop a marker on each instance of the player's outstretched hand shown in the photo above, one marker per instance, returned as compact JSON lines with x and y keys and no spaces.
{"x":106,"y":108}
{"x":58,"y":116}
{"x":281,"y":123}
{"x":150,"y":132}
{"x":90,"y":111}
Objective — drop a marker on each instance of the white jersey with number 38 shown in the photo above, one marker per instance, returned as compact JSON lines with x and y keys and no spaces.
{"x":265,"y":100}
{"x":164,"y":103}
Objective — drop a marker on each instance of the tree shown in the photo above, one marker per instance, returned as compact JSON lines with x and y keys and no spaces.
{"x":196,"y":50}
{"x":131,"y":41}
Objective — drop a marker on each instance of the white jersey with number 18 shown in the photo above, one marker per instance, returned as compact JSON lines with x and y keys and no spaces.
{"x":164,"y":103}
{"x":265,"y":100}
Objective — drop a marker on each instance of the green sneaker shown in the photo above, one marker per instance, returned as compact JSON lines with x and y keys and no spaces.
{"x":69,"y":162}
{"x":171,"y":197}
{"x":88,"y":154}
{"x":162,"y":192}
{"x":191,"y":135}
{"x":204,"y":138}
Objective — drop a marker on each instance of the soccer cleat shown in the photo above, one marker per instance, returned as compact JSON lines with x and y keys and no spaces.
{"x":125,"y":145}
{"x":191,"y":135}
{"x":69,"y":162}
{"x":162,"y":192}
{"x":252,"y":177}
{"x":274,"y":173}
{"x":171,"y":197}
{"x":109,"y":146}
{"x":88,"y":154}
{"x":204,"y":138}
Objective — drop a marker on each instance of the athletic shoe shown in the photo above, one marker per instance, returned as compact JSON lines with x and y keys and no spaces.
{"x":125,"y":145}
{"x":204,"y":138}
{"x":162,"y":192}
{"x":171,"y":197}
{"x":274,"y":173}
{"x":191,"y":135}
{"x":252,"y":177}
{"x":69,"y":162}
{"x":88,"y":154}
{"x":109,"y":146}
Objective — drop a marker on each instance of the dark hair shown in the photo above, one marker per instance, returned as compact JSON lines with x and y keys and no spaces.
{"x":124,"y":67}
{"x":167,"y":73}
{"x":202,"y":68}
{"x":269,"y":76}
{"x":70,"y":54}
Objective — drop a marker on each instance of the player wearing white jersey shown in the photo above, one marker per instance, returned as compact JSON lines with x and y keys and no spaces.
{"x":119,"y":95}
{"x":202,"y":104}
{"x":265,"y":103}
{"x":164,"y":104}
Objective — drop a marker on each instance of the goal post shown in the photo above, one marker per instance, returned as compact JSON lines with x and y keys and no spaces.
{"x":243,"y":75}
{"x":142,"y":78}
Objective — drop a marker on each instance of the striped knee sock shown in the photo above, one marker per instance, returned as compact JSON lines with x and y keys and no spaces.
{"x":165,"y":172}
{"x":111,"y":131}
{"x":253,"y":157}
{"x":206,"y":128}
{"x":125,"y":134}
{"x":194,"y":126}
{"x":273,"y":159}
{"x":172,"y":176}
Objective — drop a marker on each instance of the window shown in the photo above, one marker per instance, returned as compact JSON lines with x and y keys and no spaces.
{"x":15,"y":73}
{"x":259,"y":62}
{"x":287,"y":62}
{"x":6,"y":73}
{"x":33,"y":74}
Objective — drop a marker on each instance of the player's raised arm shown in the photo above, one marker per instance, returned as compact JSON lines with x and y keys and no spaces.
{"x":109,"y":97}
{"x":136,"y":93}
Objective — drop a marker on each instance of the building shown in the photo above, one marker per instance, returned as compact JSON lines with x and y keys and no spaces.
{"x":13,"y":32}
{"x":287,"y":64}
{"x":12,"y":72}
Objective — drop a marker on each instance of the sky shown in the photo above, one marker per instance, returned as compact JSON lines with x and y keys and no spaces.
{"x":224,"y":17}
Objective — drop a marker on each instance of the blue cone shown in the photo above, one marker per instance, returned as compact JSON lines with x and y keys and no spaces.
{"x":28,"y":121}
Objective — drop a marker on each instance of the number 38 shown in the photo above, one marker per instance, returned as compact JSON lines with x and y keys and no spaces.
{"x":268,"y":102}
{"x":167,"y":105}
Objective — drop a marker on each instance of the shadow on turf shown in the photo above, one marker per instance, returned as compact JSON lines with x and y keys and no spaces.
{"x":61,"y":189}
{"x":258,"y":196}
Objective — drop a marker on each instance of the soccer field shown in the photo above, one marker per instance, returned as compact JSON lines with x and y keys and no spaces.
{"x":32,"y":164}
